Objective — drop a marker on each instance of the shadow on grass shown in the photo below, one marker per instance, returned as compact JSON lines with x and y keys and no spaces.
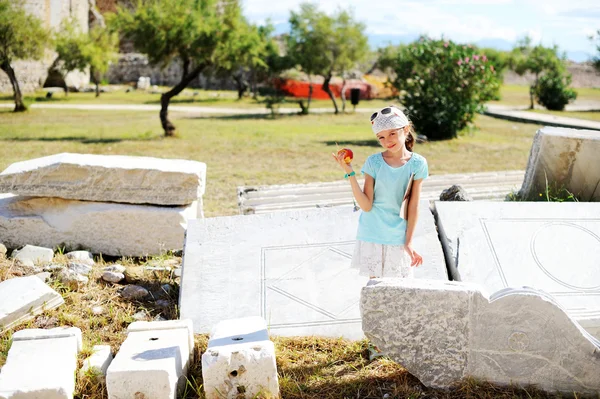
{"x":359,"y":143}
{"x":248,"y":116}
{"x":81,"y":139}
{"x":192,"y":100}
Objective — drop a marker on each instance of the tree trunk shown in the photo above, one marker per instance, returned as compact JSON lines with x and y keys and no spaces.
{"x":344,"y":96}
{"x":65,"y":87}
{"x":327,"y":90}
{"x":531,"y":90}
{"x":165,"y":98}
{"x":96,"y":81}
{"x":253,"y":88}
{"x":242,"y":86}
{"x":310,"y":92}
{"x":19,"y":105}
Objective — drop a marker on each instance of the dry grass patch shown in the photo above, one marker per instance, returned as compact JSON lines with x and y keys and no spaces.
{"x":308,"y":367}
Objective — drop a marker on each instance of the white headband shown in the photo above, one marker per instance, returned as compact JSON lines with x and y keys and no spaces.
{"x":393,"y":119}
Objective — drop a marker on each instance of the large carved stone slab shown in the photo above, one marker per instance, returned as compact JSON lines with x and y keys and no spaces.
{"x":566,"y":158}
{"x":291,"y":268}
{"x":23,"y":298}
{"x":112,"y":178}
{"x":443,"y":332}
{"x":99,"y":227}
{"x":554,"y":247}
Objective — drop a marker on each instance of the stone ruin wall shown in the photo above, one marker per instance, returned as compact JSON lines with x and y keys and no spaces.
{"x":32,"y":74}
{"x":132,"y":66}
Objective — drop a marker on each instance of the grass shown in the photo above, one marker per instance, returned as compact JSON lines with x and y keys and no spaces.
{"x":518,"y":95}
{"x":189,"y":97}
{"x":256,"y":150}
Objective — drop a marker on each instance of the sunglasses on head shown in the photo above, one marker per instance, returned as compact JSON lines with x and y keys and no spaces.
{"x":384,"y":111}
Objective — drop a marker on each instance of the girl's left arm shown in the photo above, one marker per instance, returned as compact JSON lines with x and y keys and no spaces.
{"x":413,"y":210}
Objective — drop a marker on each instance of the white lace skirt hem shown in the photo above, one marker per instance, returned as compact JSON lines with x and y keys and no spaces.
{"x":381,"y":260}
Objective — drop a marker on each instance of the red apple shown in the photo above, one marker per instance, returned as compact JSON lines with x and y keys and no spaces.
{"x":347,"y":153}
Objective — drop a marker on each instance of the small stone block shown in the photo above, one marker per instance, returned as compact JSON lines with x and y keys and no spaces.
{"x":41,"y":364}
{"x":98,"y":362}
{"x":30,"y":255}
{"x":240,"y":360}
{"x":22,"y":298}
{"x":152,"y":362}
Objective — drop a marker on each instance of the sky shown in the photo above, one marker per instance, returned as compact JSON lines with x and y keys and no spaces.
{"x":488,"y":23}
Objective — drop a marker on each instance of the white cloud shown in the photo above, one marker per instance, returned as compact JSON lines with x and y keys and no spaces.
{"x":461,"y":20}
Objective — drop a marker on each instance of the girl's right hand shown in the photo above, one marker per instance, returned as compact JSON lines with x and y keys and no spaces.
{"x":340,"y":160}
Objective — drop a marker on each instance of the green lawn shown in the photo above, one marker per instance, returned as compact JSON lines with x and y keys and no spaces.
{"x":519,"y":95}
{"x":250,"y":150}
{"x":513,"y":95}
{"x":192,"y":97}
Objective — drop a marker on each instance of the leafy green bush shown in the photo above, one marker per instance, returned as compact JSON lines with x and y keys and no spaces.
{"x":552,"y":90}
{"x":443,"y":85}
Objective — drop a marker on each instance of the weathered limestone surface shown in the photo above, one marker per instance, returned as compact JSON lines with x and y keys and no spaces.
{"x":100,"y":227}
{"x":41,"y":364}
{"x":291,"y":268}
{"x":23,"y":298}
{"x":152,"y":362}
{"x":110,"y":178}
{"x":443,"y":332}
{"x":240,"y":358}
{"x":554,"y":247}
{"x":566,"y":158}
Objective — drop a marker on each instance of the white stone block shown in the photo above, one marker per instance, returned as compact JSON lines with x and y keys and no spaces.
{"x":152,"y":362}
{"x":443,"y":332}
{"x":81,"y":257}
{"x":291,"y":268}
{"x":240,"y":361}
{"x":111,"y":178}
{"x":23,"y":298}
{"x":554,"y":247}
{"x":101,"y":227}
{"x":98,"y":362}
{"x":566,"y":158}
{"x":31,"y":255}
{"x":41,"y":364}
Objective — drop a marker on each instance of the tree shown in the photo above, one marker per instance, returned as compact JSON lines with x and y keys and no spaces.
{"x":22,"y":36}
{"x":78,"y":50}
{"x":102,"y":50}
{"x":274,"y":61}
{"x":71,"y":46}
{"x":443,"y":85}
{"x":325,"y":45}
{"x":535,"y":59}
{"x":196,"y":32}
{"x":349,"y":46}
{"x":248,"y":53}
{"x":307,"y":43}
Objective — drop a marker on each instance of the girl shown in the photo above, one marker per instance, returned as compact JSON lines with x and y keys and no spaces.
{"x":385,"y":229}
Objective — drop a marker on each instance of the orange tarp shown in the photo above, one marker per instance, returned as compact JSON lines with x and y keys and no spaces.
{"x":296,"y":88}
